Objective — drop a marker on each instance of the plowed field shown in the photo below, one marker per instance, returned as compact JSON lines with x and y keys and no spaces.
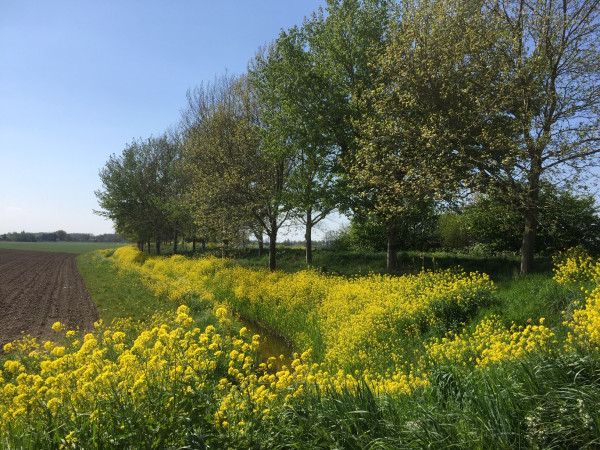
{"x":38,"y":289}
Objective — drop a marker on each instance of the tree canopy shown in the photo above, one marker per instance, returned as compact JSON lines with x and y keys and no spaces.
{"x":376,"y":108}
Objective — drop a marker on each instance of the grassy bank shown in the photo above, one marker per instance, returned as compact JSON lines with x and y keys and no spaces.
{"x":183,"y":374}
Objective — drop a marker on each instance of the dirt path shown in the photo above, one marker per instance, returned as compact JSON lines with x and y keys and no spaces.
{"x":38,"y":289}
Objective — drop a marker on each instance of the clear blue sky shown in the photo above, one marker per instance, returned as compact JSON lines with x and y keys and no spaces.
{"x":81,"y":79}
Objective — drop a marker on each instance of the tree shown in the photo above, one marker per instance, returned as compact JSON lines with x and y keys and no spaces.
{"x":415,"y":230}
{"x":453,"y":231}
{"x":553,"y":79}
{"x":62,"y":235}
{"x":407,"y":151}
{"x":566,"y":219}
{"x":235,"y":185}
{"x":296,"y":99}
{"x":343,"y":44}
{"x":511,"y":90}
{"x":140,"y":190}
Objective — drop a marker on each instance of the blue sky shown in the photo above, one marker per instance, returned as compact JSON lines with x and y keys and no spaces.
{"x":81,"y":79}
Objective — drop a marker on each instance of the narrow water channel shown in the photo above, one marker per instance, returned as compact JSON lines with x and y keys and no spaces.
{"x":271,"y":345}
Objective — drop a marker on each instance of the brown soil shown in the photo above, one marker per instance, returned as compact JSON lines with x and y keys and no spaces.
{"x":38,"y":289}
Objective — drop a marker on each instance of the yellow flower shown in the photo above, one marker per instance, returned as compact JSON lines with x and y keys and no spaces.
{"x":70,"y":438}
{"x":58,"y":351}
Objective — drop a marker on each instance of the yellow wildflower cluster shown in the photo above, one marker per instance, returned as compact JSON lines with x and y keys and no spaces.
{"x":87,"y":374}
{"x":176,"y":277}
{"x":359,"y":321}
{"x":585,"y":326}
{"x":167,"y":368}
{"x":365,"y":319}
{"x":106,"y":379}
{"x":260,"y":395}
{"x":576,"y":266}
{"x":491,"y":342}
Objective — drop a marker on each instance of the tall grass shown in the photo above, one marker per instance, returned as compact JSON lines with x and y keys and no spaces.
{"x":533,"y":403}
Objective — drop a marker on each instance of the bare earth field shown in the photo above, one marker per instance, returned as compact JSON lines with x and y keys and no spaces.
{"x":38,"y":289}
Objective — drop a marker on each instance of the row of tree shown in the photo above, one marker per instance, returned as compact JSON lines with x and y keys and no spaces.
{"x":376,"y":108}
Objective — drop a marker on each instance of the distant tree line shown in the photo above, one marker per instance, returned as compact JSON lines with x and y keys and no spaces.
{"x":383,"y":111}
{"x":484,"y":225}
{"x":60,"y":235}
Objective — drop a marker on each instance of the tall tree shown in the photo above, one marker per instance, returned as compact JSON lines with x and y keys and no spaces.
{"x":123,"y":197}
{"x":235,"y":184}
{"x":554,"y":79}
{"x":296,"y":99}
{"x":407,"y":154}
{"x":342,"y":41}
{"x":510,"y":90}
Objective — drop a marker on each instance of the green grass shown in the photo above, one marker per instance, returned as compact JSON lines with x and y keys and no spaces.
{"x":534,"y":403}
{"x":534,"y":296}
{"x":63,"y":246}
{"x":122,"y":295}
{"x":361,"y":263}
{"x":117,"y":295}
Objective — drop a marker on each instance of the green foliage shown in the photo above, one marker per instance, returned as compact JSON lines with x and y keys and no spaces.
{"x":493,"y":96}
{"x":296,"y":112}
{"x":342,"y":39}
{"x":453,"y":231}
{"x":367,"y":234}
{"x":296,"y":102}
{"x":235,"y":185}
{"x":566,"y":219}
{"x":494,"y":224}
{"x":141,"y":188}
{"x":415,"y":230}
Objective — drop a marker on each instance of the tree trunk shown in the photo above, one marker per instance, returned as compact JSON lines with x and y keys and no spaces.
{"x":224,"y":248}
{"x":531,"y":214}
{"x":194,"y":244}
{"x":528,"y":244}
{"x":175,"y":242}
{"x":259,"y":238}
{"x":308,"y":236}
{"x":203,"y":245}
{"x":140,"y":246}
{"x":272,"y":233}
{"x":149,"y":246}
{"x":158,"y":241}
{"x":261,"y":246}
{"x":272,"y":252}
{"x":392,"y":245}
